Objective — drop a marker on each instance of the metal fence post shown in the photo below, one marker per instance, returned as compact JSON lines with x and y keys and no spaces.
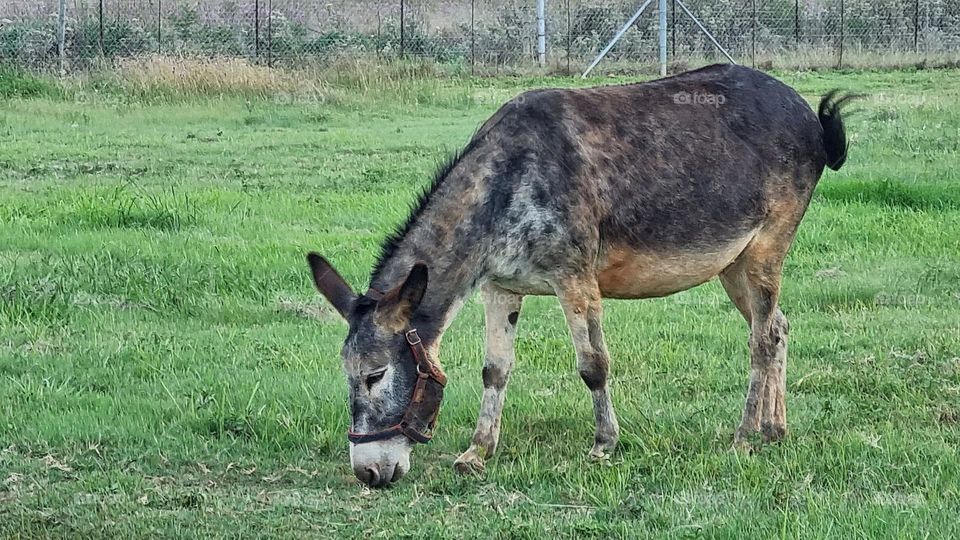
{"x":61,"y":31}
{"x":796,"y":22}
{"x":753,"y":33}
{"x":270,"y":33}
{"x":662,"y":35}
{"x":402,"y":36}
{"x":159,"y":40}
{"x":673,"y":28}
{"x":916,"y":26}
{"x":840,"y":58}
{"x":541,"y":34}
{"x":256,"y":30}
{"x":473,"y":38}
{"x":569,"y":37}
{"x":100,"y":23}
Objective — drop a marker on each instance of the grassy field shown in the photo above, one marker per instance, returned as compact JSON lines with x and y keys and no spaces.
{"x":166,"y":368}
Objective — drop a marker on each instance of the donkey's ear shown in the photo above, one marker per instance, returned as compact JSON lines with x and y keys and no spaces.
{"x":331,"y":285}
{"x":399,"y":304}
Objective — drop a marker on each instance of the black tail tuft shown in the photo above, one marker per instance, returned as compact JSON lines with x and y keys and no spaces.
{"x":834,"y":136}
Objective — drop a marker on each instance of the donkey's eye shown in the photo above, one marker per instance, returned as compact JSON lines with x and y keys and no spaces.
{"x":374,"y":378}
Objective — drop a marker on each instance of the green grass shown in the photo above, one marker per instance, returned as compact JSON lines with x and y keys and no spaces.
{"x":17,"y":84}
{"x":166,"y":368}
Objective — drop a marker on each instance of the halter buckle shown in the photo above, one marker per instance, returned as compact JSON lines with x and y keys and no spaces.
{"x":425,"y":370}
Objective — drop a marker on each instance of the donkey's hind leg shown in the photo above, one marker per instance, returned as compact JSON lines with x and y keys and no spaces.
{"x":580,"y":300}
{"x":501,"y":310}
{"x":753,"y":283}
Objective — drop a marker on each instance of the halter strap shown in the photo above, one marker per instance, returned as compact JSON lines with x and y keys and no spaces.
{"x":420,"y":418}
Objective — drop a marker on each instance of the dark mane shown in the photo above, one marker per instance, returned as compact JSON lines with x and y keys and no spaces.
{"x":392,"y":241}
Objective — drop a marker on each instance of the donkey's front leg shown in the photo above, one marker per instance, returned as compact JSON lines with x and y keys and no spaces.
{"x":501,"y":310}
{"x":584,"y":312}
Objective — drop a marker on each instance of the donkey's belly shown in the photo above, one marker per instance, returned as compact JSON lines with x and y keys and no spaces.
{"x":628,"y":273}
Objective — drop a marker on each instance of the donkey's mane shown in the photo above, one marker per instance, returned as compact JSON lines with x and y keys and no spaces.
{"x":392,"y":241}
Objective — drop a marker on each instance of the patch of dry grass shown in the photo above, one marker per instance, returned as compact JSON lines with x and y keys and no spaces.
{"x":344,"y":81}
{"x":854,"y":58}
{"x":166,"y":75}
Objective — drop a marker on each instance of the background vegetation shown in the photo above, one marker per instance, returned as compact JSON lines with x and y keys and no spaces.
{"x":485,"y":35}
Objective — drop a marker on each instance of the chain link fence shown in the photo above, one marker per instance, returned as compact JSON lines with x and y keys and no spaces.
{"x":483,"y":35}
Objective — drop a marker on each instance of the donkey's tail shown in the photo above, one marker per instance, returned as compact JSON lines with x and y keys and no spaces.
{"x":834,"y":135}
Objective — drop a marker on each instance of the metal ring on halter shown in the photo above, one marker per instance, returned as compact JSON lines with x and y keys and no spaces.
{"x":430,"y":380}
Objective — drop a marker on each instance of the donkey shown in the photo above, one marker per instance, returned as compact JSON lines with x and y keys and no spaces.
{"x":632,"y":191}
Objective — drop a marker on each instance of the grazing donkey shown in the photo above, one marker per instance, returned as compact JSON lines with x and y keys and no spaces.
{"x":632,"y":191}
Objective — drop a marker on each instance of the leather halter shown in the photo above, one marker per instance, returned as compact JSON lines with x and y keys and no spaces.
{"x":421,"y":415}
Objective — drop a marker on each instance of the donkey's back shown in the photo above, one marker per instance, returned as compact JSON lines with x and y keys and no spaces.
{"x":653,"y":187}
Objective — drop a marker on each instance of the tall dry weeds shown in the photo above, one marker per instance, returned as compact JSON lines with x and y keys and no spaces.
{"x":346,"y":81}
{"x":189,"y":77}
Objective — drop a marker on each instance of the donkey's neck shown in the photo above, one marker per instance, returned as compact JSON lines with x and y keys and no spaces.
{"x":447,"y":234}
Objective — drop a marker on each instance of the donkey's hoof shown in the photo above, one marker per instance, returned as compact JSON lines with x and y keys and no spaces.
{"x":741,"y":440}
{"x":743,"y":446}
{"x":601,"y":452}
{"x":469,"y":463}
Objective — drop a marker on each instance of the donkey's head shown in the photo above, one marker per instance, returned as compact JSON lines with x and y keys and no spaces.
{"x":395,"y":390}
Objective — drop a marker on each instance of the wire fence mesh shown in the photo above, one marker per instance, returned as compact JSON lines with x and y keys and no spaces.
{"x":489,"y":35}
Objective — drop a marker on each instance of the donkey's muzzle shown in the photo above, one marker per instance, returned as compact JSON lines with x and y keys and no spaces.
{"x":377,"y":464}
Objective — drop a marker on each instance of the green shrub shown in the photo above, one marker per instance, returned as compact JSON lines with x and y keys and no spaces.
{"x":15,"y":83}
{"x":29,"y":43}
{"x":120,"y":38}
